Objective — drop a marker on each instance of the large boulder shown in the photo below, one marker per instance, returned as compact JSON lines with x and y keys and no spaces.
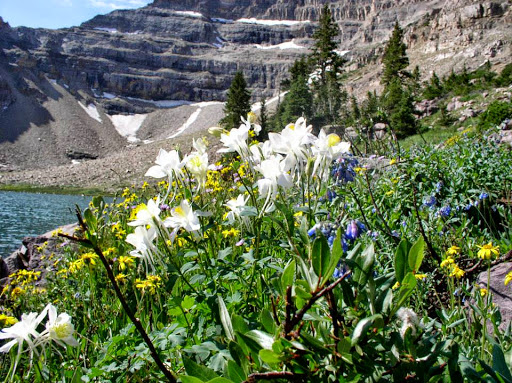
{"x":501,"y":294}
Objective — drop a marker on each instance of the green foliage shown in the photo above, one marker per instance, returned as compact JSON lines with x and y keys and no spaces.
{"x":395,"y":58}
{"x":496,"y":112}
{"x":434,"y":88}
{"x":237,"y":102}
{"x":346,"y":275}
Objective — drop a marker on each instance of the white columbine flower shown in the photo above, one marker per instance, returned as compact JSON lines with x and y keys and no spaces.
{"x":235,"y":207}
{"x":293,"y":141}
{"x":236,"y":141}
{"x":197,"y":163}
{"x":326,"y":149}
{"x":59,"y":328}
{"x":142,"y":239}
{"x":183,"y":217}
{"x":274,"y":174}
{"x":21,"y":332}
{"x":167,"y":164}
{"x":148,"y":214}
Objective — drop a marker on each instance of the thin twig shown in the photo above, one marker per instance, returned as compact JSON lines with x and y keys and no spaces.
{"x":290,"y":323}
{"x":126,"y":308}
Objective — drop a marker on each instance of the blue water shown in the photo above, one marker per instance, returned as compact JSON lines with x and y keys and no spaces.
{"x":32,"y":214}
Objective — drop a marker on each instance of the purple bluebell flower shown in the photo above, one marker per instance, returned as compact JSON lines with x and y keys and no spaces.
{"x":483,"y":195}
{"x":352,"y":231}
{"x":445,"y":211}
{"x":396,"y":234}
{"x":430,"y":202}
{"x":439,"y":185}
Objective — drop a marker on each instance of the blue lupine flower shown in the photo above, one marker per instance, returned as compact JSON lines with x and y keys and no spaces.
{"x":483,"y":195}
{"x":344,"y":245}
{"x":343,"y":170}
{"x":330,"y":240}
{"x":430,"y":202}
{"x":331,"y":195}
{"x":354,"y":230}
{"x":395,"y":234}
{"x":312,"y":231}
{"x":439,"y":185}
{"x":445,"y":211}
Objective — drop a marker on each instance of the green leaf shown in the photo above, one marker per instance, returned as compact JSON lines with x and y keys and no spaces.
{"x":195,"y":370}
{"x":235,"y":372}
{"x":225,"y":319}
{"x":336,"y":254}
{"x":320,"y":256}
{"x":416,"y":255}
{"x":190,"y":379}
{"x":499,"y":364}
{"x":288,"y":275}
{"x":400,"y":260}
{"x":364,"y":325}
{"x":305,"y":272}
{"x":267,"y":321}
{"x":220,"y":380}
{"x":262,"y":338}
{"x":406,"y":289}
{"x":269,"y":357}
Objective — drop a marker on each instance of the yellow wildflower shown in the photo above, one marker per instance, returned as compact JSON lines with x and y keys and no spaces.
{"x":17,"y":291}
{"x":121,"y":278}
{"x":447,"y":262}
{"x":125,"y":262}
{"x":89,"y":258}
{"x":6,"y":320}
{"x":76,"y":266}
{"x":483,"y":291}
{"x":396,"y":286}
{"x":453,"y":250}
{"x":230,"y":233}
{"x":151,"y":283}
{"x":390,"y":192}
{"x":487,"y":251}
{"x":457,"y":272}
{"x":360,"y":170}
{"x":392,"y":161}
{"x":420,"y":276}
{"x":508,"y":278}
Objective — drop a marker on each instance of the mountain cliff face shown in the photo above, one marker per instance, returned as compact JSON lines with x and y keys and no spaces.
{"x":60,"y":90}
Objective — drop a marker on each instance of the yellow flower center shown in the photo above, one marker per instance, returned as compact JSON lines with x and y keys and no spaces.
{"x":333,"y":139}
{"x":179,"y":211}
{"x":61,"y":330}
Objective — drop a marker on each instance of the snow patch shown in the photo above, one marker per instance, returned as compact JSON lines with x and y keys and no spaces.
{"x":189,"y":13}
{"x":190,"y":121}
{"x":128,"y":125}
{"x":222,"y":21}
{"x":341,"y":53}
{"x":92,"y":111}
{"x":257,"y":106}
{"x":109,"y":30}
{"x":285,"y":45}
{"x":109,"y":96}
{"x":288,"y":23}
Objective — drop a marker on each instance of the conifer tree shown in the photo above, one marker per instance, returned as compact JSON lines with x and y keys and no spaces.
{"x":263,"y":120}
{"x":326,"y":64}
{"x":395,"y":59}
{"x":237,"y":102}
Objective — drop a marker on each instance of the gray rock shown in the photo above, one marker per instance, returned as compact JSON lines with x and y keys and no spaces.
{"x":4,"y":270}
{"x":501,"y":294}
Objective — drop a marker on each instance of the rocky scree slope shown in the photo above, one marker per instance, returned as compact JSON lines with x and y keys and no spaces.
{"x":88,"y":92}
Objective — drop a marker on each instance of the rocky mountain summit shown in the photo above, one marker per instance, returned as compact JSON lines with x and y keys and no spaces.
{"x":160,"y":72}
